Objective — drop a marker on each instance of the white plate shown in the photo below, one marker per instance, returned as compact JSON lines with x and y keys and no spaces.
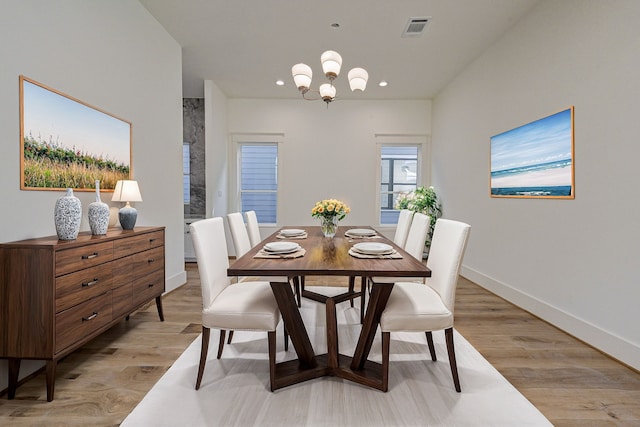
{"x":373,"y":248}
{"x":292,"y":232}
{"x":282,"y":247}
{"x":362,"y":232}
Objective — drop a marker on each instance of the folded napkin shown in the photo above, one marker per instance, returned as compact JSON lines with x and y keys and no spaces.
{"x":266,"y":254}
{"x":394,"y":255}
{"x":351,"y":236}
{"x":301,"y":236}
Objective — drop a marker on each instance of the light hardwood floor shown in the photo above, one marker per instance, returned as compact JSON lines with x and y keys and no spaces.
{"x":568,"y":381}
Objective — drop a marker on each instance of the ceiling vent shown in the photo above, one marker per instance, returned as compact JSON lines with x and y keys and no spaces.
{"x":416,"y":26}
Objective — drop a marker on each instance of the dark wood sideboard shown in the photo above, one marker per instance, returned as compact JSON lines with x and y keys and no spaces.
{"x":56,"y":295}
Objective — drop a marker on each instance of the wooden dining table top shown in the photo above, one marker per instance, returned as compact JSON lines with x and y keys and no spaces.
{"x":328,"y":257}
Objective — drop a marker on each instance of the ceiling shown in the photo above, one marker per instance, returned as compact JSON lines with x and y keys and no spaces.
{"x":244,"y":46}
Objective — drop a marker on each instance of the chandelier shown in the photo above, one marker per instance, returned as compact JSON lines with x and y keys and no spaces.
{"x":331,"y":63}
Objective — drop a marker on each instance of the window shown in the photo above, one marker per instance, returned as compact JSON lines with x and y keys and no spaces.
{"x":398,"y":174}
{"x":186,"y":173}
{"x":258,"y":180}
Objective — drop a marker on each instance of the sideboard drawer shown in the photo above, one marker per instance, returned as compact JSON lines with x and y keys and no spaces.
{"x":74,"y":324}
{"x":70,"y":260}
{"x":139,"y":243}
{"x":147,"y":262}
{"x":148,"y":287}
{"x":74,"y":288}
{"x":122,"y":300}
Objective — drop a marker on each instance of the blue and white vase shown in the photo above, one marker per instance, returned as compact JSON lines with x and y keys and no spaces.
{"x":67,"y":215}
{"x":98,"y":214}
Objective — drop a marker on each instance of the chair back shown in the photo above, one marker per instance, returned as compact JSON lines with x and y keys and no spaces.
{"x":417,"y":235}
{"x":253,"y":228}
{"x":402,"y":229}
{"x":445,"y":258}
{"x":239,"y":233}
{"x":211,"y":254}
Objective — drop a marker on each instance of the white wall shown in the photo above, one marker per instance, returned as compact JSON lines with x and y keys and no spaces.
{"x":112,"y":55}
{"x":571,"y":262}
{"x":327,"y":152}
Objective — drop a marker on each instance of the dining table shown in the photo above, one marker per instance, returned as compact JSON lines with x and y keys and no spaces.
{"x":323,"y":256}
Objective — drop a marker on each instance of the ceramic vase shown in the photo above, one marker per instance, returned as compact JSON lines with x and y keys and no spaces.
{"x":98,"y":214}
{"x":329,"y":226}
{"x":67,"y":215}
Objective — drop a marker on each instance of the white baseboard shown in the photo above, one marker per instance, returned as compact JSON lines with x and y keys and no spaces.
{"x":608,"y":343}
{"x":175,"y":281}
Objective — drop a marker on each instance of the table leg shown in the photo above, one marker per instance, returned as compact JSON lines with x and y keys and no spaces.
{"x":332,"y":334}
{"x":377,"y":302}
{"x":293,"y":321}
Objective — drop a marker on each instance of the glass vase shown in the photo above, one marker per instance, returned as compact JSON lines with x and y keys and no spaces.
{"x":329,"y":226}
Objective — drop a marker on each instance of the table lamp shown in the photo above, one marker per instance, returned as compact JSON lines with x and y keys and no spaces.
{"x":127,"y":191}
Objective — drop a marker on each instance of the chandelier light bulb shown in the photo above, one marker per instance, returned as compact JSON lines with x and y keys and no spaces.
{"x":327,"y":92}
{"x":358,"y":79}
{"x":331,"y":63}
{"x":302,"y":75}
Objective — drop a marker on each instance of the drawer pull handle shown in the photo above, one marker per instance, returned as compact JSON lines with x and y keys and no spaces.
{"x":93,"y":316}
{"x":152,"y":240}
{"x":150,"y":260}
{"x":91,"y":283}
{"x":93,"y":255}
{"x":151,"y":285}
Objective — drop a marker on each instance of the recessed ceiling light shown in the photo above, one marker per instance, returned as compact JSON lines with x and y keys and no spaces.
{"x":383,"y":83}
{"x":280,"y":82}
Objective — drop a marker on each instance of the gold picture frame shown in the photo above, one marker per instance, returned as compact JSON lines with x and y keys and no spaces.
{"x":535,"y":160}
{"x":67,"y":143}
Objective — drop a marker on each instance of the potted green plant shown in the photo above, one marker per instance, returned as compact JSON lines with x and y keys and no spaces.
{"x":424,"y":200}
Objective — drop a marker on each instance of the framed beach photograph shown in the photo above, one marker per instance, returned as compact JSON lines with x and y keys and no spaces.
{"x":67,"y":143}
{"x":535,"y":160}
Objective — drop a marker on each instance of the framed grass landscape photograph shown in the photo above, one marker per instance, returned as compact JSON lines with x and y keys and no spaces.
{"x":66,"y":143}
{"x":535,"y":160}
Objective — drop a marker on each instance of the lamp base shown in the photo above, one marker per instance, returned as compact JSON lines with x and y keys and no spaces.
{"x":128,"y":216}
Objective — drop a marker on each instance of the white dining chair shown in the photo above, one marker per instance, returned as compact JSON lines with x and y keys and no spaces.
{"x":402,"y":228}
{"x":240,"y":234}
{"x":253,"y":228}
{"x":241,"y":306}
{"x":414,"y":245}
{"x":418,"y":307}
{"x":417,"y":235}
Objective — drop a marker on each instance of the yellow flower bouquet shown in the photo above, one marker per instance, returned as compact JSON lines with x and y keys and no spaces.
{"x":330,"y":211}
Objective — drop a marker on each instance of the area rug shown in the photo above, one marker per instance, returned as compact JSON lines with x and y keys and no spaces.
{"x":235,"y":389}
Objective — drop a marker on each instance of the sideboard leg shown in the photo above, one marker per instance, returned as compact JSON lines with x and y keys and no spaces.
{"x":159,"y":305}
{"x":51,"y":378}
{"x":14,"y":370}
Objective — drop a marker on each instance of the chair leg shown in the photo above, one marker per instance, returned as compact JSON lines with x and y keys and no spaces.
{"x":452,"y":358}
{"x":221,"y":342}
{"x":386,"y":338}
{"x":203,"y":355}
{"x":286,"y":339}
{"x":363,"y":293}
{"x":296,"y":288}
{"x":230,"y":338}
{"x":432,"y":349}
{"x":352,"y":286}
{"x":271,"y":338}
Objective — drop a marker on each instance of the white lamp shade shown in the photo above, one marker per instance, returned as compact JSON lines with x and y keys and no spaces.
{"x":327,"y":91}
{"x":358,"y":79}
{"x":302,"y":75}
{"x":126,"y":191}
{"x":331,"y":63}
